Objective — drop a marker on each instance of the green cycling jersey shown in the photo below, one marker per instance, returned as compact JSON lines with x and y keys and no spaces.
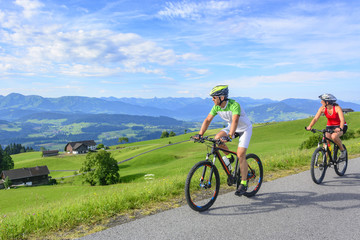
{"x":232,"y":108}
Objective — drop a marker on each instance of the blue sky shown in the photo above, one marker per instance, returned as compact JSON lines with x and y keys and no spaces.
{"x":151,"y":48}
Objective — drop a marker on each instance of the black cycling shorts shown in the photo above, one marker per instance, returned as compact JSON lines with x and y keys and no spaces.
{"x":332,"y":128}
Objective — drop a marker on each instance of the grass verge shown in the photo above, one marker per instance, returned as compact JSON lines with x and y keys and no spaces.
{"x":125,"y":202}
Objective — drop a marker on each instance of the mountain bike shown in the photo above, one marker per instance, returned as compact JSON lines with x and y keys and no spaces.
{"x":319,"y":161}
{"x":203,"y":181}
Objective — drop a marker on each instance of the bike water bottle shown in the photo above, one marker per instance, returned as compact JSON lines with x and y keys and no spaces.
{"x":329,"y":147}
{"x":227,"y":162}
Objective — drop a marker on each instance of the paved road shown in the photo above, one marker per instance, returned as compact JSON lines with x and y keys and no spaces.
{"x":292,"y":207}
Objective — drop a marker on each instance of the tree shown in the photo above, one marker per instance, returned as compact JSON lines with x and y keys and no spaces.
{"x":100,"y":169}
{"x":14,"y":148}
{"x":164,"y":134}
{"x":172,"y":134}
{"x":7,"y":182}
{"x":123,"y":139}
{"x":6,"y":162}
{"x":100,"y":146}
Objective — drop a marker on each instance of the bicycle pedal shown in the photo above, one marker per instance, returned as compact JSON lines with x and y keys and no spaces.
{"x":230,"y":181}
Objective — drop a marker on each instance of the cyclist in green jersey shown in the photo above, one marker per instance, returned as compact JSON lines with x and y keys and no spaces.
{"x":238,"y":125}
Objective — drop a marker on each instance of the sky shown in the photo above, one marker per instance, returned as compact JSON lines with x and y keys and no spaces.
{"x":273,"y":49}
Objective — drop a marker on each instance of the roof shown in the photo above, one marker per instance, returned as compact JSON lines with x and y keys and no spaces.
{"x":50,"y":152}
{"x":76,"y":145}
{"x":26,"y":172}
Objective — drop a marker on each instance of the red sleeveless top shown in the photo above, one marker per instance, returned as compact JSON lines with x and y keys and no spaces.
{"x":333,"y":119}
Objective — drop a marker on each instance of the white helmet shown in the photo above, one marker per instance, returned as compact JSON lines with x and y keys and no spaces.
{"x":327,"y":97}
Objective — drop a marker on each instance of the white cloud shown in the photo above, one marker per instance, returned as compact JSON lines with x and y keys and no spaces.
{"x":31,"y":7}
{"x":198,"y":71}
{"x":192,"y":56}
{"x":196,"y":9}
{"x":242,"y":42}
{"x":91,"y":47}
{"x":309,"y":78}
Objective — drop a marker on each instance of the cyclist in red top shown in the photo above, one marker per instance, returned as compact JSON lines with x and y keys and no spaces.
{"x":336,"y":120}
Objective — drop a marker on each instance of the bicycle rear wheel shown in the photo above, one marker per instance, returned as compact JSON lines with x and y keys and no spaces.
{"x":318,"y":165}
{"x":255,"y":175}
{"x":340,"y":164}
{"x":202,"y":186}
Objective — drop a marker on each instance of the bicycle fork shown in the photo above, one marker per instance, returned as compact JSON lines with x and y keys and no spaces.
{"x":207,"y":183}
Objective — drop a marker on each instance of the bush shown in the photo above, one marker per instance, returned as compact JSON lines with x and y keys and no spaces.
{"x":52,"y":181}
{"x":100,"y":169}
{"x":348,"y":135}
{"x":314,"y":139}
{"x":311,"y":142}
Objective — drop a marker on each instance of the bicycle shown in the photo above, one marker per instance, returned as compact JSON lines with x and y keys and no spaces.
{"x":319,"y":162}
{"x":203,"y":181}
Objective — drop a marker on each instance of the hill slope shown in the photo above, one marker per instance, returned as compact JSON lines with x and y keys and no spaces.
{"x":75,"y":204}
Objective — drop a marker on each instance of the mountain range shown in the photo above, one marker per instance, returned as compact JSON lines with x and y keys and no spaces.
{"x":38,"y":122}
{"x":15,"y":106}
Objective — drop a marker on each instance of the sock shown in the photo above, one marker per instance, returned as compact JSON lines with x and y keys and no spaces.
{"x":243,"y":182}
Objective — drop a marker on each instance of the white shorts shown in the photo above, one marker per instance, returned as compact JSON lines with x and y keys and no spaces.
{"x":244,"y":138}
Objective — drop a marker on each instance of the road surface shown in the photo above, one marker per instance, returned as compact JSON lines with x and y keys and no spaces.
{"x":292,"y":207}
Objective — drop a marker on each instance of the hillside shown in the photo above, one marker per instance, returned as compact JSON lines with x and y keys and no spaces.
{"x":54,"y":130}
{"x":71,"y":202}
{"x":38,"y":122}
{"x":267,"y":140}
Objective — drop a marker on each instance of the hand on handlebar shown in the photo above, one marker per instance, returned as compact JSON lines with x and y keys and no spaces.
{"x":197,"y":136}
{"x":225,"y":139}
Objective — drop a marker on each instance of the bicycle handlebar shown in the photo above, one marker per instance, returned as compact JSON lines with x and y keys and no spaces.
{"x":203,"y":139}
{"x":322,"y":131}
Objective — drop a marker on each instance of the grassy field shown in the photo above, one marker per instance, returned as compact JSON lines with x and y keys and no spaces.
{"x":28,"y":212}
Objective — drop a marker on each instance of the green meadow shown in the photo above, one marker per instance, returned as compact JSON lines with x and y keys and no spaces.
{"x":35,"y":212}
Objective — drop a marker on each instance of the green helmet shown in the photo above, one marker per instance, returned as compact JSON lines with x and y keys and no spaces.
{"x":220,"y":90}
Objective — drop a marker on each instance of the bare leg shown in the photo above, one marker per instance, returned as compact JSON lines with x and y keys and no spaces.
{"x":336,"y":138}
{"x":241,"y":153}
{"x":223,"y":146}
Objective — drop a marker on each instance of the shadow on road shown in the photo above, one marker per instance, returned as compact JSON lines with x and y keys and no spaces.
{"x":346,"y":180}
{"x":268,"y":202}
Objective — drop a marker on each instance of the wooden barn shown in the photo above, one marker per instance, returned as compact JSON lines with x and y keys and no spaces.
{"x":50,"y":153}
{"x":27,"y":176}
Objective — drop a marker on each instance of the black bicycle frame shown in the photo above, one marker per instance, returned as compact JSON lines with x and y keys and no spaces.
{"x":215,"y":151}
{"x":325,"y":141}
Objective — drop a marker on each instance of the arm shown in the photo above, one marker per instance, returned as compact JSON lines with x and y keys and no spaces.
{"x":317,"y":116}
{"x":206,"y":124}
{"x":235,"y":122}
{"x":341,"y":116}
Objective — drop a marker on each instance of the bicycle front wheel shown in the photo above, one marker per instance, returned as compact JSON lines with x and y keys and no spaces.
{"x":340,"y":164}
{"x":202,"y":186}
{"x":318,"y":165}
